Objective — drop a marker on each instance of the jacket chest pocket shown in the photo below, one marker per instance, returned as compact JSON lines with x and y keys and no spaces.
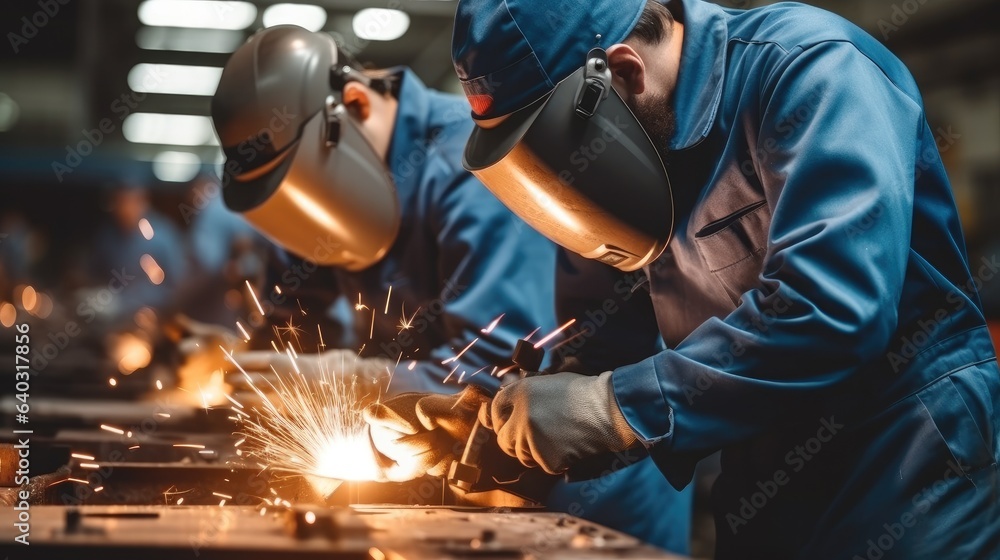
{"x":733,"y":248}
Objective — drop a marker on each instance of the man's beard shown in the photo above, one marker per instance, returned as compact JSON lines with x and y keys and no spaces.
{"x":657,"y":118}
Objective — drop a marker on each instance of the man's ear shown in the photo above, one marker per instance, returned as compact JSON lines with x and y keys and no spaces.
{"x":628,"y":72}
{"x":357,"y":101}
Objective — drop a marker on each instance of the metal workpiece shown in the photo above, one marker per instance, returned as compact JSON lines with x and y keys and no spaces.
{"x":301,"y":532}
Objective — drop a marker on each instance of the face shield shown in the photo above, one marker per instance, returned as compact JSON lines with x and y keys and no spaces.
{"x":297,"y":165}
{"x":578,"y":167}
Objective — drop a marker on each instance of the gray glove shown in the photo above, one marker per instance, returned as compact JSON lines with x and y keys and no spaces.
{"x":552,"y":421}
{"x":418,"y":433}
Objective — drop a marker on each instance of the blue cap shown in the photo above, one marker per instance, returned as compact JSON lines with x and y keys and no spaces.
{"x":509,"y":53}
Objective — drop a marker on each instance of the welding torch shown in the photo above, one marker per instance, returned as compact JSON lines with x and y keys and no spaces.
{"x":484,"y":466}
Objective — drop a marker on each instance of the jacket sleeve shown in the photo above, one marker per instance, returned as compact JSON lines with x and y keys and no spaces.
{"x":839,"y":184}
{"x":493,"y":264}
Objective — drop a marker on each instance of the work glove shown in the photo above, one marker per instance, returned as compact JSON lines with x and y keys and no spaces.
{"x":552,"y":421}
{"x":415,"y":434}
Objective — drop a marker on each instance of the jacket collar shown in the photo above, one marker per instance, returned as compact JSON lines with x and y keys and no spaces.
{"x":702,"y":69}
{"x":412,"y":122}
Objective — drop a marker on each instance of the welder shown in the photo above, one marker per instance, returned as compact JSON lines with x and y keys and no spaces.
{"x":771,"y":174}
{"x":357,"y":173}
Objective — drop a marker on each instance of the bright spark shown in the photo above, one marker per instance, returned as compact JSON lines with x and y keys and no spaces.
{"x":459,"y":355}
{"x":190,"y":445}
{"x":146,"y":229}
{"x":112,"y":429}
{"x":82,"y":456}
{"x":309,"y":425}
{"x":389,"y":295}
{"x":404,"y":323}
{"x":291,"y":330}
{"x":489,"y":328}
{"x":532,"y":333}
{"x":360,"y":306}
{"x":554,"y":333}
{"x":243,"y":331}
{"x":254,"y":296}
{"x":159,"y":385}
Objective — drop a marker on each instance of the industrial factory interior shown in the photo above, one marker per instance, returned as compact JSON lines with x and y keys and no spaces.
{"x":536,"y":279}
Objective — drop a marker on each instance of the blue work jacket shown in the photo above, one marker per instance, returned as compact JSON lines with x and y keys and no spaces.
{"x":821,"y":318}
{"x":462,"y":260}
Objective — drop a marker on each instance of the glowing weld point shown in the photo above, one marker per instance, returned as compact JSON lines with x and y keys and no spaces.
{"x":254,"y":296}
{"x":489,"y":328}
{"x":113,"y":382}
{"x":112,"y":429}
{"x":310,"y":517}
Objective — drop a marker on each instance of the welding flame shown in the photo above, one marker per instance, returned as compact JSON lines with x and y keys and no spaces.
{"x":311,"y":425}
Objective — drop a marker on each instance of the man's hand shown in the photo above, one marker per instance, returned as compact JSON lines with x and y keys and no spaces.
{"x":418,"y":433}
{"x":552,"y":421}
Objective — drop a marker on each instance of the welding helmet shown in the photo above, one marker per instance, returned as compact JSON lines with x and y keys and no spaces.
{"x":297,"y":165}
{"x":569,"y":158}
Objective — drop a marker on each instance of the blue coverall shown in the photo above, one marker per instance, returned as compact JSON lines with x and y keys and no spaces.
{"x":821,"y":319}
{"x":460,"y":261}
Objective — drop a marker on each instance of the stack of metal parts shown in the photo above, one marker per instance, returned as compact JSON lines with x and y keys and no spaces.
{"x":360,"y":532}
{"x":173,"y":485}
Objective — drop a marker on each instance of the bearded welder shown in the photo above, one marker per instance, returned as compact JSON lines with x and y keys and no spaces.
{"x":772,"y":174}
{"x":363,"y":174}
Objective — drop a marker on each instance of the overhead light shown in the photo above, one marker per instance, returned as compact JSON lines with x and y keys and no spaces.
{"x":174,"y":78}
{"x":176,"y":167}
{"x":311,"y":17}
{"x":197,"y":13}
{"x":380,"y":24}
{"x":188,"y":40}
{"x":160,"y":128}
{"x":9,"y":112}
